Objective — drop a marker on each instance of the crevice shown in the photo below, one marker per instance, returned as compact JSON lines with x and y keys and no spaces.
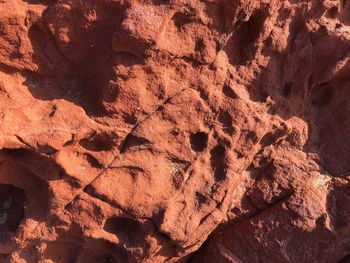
{"x":53,"y":111}
{"x":168,"y":100}
{"x":91,"y":192}
{"x":25,"y":143}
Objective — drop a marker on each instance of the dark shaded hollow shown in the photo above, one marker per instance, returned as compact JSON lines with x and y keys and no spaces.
{"x":133,"y":141}
{"x":60,"y":251}
{"x":321,"y":95}
{"x":102,"y":251}
{"x":345,"y":259}
{"x":287,"y":89}
{"x":199,"y":141}
{"x":242,"y":48}
{"x":12,"y":202}
{"x":226,"y":120}
{"x":98,"y":142}
{"x":333,"y":12}
{"x":126,"y":229}
{"x":181,"y":19}
{"x":218,"y":162}
{"x":229,"y":92}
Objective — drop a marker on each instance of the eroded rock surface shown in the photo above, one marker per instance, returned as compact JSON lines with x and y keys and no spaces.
{"x":174,"y":131}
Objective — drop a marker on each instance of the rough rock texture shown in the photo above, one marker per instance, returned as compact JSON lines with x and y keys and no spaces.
{"x":174,"y":131}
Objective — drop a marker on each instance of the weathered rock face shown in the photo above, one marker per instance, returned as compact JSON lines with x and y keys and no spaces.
{"x":174,"y":131}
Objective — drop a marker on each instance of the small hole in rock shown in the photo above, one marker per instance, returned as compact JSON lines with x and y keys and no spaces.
{"x":229,"y":92}
{"x":99,"y":142}
{"x":199,"y":141}
{"x":218,"y":162}
{"x":199,"y":45}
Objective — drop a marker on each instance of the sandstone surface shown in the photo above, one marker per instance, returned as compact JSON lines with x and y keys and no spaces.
{"x":174,"y":131}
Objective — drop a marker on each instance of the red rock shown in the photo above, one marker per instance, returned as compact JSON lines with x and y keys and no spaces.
{"x":174,"y":131}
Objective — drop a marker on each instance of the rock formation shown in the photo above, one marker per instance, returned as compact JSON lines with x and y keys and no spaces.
{"x":174,"y":131}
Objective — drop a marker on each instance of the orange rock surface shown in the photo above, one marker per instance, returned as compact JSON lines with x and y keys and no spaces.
{"x":174,"y":131}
